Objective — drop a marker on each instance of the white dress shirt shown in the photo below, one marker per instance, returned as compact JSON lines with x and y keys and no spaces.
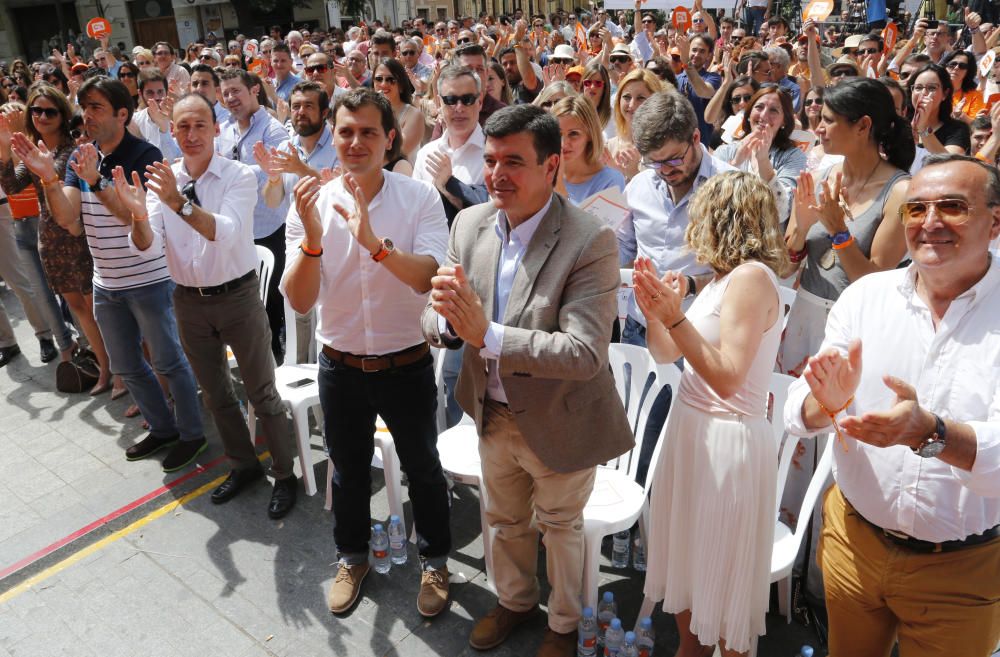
{"x":149,"y":131}
{"x":955,"y":372}
{"x":362,"y":307}
{"x":228,"y":190}
{"x":467,"y":161}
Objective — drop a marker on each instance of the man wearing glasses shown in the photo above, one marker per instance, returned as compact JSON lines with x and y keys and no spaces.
{"x":163,"y":56}
{"x":906,"y":379}
{"x":409,"y":55}
{"x":319,"y":69}
{"x":665,"y":131}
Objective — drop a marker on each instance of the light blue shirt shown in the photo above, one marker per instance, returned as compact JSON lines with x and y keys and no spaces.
{"x":655,"y":226}
{"x":284,"y":89}
{"x":323,"y":156}
{"x":221,"y":113}
{"x":236,"y":145}
{"x":603,"y":179}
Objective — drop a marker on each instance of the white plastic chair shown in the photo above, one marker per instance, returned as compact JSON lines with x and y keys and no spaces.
{"x":625,"y":293}
{"x":617,"y":501}
{"x":265,"y":266}
{"x":786,"y":297}
{"x":631,"y":366}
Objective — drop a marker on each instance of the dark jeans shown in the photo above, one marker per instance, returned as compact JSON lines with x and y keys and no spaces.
{"x":635,"y":333}
{"x":274,"y":303}
{"x":406,"y":398}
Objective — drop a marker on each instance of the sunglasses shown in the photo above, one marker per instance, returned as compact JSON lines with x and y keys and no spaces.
{"x":386,"y":79}
{"x":675,"y":162}
{"x":203,"y":57}
{"x":809,"y":102}
{"x":560,"y":60}
{"x":648,"y":21}
{"x":466,"y":99}
{"x":867,"y":51}
{"x":597,"y":84}
{"x":736,"y":100}
{"x":952,"y":211}
{"x":842,"y":73}
{"x":317,"y":68}
{"x":125,"y":74}
{"x":408,"y":53}
{"x":620,"y":60}
{"x":48,"y":112}
{"x":463,"y":41}
{"x":547,"y":105}
{"x":962,"y":66}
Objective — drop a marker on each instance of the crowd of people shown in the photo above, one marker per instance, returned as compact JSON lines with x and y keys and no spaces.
{"x":429,"y":185}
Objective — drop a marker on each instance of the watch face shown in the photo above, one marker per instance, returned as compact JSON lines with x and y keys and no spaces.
{"x":387,"y":243}
{"x":932,"y":449}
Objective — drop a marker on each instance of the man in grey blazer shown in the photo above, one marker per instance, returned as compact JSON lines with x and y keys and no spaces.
{"x":529,"y":283}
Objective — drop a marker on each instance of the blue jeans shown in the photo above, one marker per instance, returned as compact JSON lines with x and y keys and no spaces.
{"x":450,"y":371}
{"x":125,"y":317}
{"x":754,"y":18}
{"x":635,"y":333}
{"x":26,"y":236}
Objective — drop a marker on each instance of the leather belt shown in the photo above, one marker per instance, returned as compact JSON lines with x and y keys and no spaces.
{"x":381,"y":363}
{"x":928,"y":547}
{"x":213,"y":290}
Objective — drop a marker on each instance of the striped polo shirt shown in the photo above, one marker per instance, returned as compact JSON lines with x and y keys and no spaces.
{"x":115,"y":267}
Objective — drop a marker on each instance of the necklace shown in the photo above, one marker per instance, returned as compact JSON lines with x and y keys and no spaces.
{"x":843,"y":200}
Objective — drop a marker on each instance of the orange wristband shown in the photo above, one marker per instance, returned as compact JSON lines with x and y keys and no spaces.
{"x":310,"y":252}
{"x":844,"y":245}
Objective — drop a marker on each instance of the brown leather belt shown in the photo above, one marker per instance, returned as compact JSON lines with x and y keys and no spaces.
{"x":381,"y":363}
{"x":927,"y":547}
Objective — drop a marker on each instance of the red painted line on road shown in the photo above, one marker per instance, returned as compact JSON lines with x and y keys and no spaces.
{"x":86,"y":529}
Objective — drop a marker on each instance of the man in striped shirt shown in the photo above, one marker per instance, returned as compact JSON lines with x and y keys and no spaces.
{"x":132,"y":295}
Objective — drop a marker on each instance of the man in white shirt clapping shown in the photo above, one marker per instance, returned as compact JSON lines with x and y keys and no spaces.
{"x":910,"y":547}
{"x":200,"y":213}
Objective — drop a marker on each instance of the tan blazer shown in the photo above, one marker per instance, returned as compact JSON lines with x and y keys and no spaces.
{"x":554,"y":361}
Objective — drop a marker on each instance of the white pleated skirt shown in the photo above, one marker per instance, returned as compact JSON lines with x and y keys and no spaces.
{"x":712,"y":524}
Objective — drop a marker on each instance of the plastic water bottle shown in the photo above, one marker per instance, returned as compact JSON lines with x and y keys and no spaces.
{"x":607,"y":609}
{"x":614,"y":639}
{"x":397,"y":540}
{"x":639,"y":554}
{"x":645,"y":637}
{"x":586,"y":631}
{"x":380,"y":550}
{"x":629,"y":649}
{"x":807,"y":651}
{"x":619,"y":549}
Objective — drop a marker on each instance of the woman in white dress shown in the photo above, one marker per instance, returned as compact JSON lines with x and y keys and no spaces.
{"x":713,"y":507}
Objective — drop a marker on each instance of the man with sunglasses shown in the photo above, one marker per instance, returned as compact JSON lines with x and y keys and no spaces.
{"x":319,"y":69}
{"x":409,"y":55}
{"x":906,"y":379}
{"x":198,"y":212}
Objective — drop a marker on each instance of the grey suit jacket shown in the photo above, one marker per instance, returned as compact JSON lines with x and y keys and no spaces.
{"x":557,"y":327}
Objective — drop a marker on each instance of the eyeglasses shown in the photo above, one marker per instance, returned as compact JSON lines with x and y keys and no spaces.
{"x":905,"y":75}
{"x":49,"y":112}
{"x":698,"y":20}
{"x":809,"y":102}
{"x":386,"y":79}
{"x":596,"y":84}
{"x":620,"y":59}
{"x":560,"y":60}
{"x":204,"y":57}
{"x":317,"y":68}
{"x":744,"y":98}
{"x":538,"y":24}
{"x":466,"y":99}
{"x":952,"y":211}
{"x":408,"y":53}
{"x":648,"y":20}
{"x":925,"y":88}
{"x":867,"y":51}
{"x":963,"y":66}
{"x":463,"y":40}
{"x":675,"y":162}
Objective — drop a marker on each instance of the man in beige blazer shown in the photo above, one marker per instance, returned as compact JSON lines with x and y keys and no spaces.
{"x":529,"y":283}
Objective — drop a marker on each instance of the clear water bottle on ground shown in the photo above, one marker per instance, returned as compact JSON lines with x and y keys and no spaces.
{"x":645,"y":637}
{"x":586,"y":631}
{"x":397,"y":540}
{"x":619,"y":549}
{"x":639,"y":553}
{"x":607,"y":609}
{"x":614,"y":639}
{"x":380,"y":550}
{"x":806,"y":651}
{"x":629,"y":648}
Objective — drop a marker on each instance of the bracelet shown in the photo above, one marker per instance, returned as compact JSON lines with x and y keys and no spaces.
{"x":843,"y":245}
{"x":677,"y":323}
{"x":310,"y":252}
{"x":46,"y":183}
{"x":833,"y":418}
{"x":797,"y":256}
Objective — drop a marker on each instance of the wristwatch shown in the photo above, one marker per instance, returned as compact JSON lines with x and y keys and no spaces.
{"x":840,"y":238}
{"x":386,"y":247}
{"x":935,"y":443}
{"x":187,"y":209}
{"x":102,"y":183}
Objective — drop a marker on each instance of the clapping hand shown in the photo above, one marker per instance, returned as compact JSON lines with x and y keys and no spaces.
{"x":833,"y":378}
{"x":658,"y":300}
{"x":38,"y":159}
{"x":906,"y":423}
{"x":85,"y":164}
{"x":357,"y":219}
{"x":264,"y":157}
{"x":454,"y":299}
{"x":305,"y":194}
{"x":161,"y":181}
{"x":439,"y":166}
{"x":132,"y":196}
{"x":289,"y":162}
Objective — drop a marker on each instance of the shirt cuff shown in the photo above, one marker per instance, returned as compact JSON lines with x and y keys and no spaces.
{"x":794,"y":424}
{"x":492,"y":342}
{"x":984,"y":478}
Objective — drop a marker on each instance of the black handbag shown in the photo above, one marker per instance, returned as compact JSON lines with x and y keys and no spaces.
{"x":79,"y":374}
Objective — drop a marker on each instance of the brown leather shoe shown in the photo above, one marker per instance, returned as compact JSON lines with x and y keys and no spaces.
{"x":557,"y":645}
{"x":346,"y":587}
{"x":433,"y":596}
{"x":493,"y":629}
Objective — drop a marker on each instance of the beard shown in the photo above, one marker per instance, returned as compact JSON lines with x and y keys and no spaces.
{"x":305,"y":129}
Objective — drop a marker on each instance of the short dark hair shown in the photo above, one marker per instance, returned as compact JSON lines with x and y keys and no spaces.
{"x":149,"y":75}
{"x":981,"y":123}
{"x":205,"y":68}
{"x":470,"y":49}
{"x":877,"y":38}
{"x":509,"y":50}
{"x":308,"y":87}
{"x":163,"y":43}
{"x":113,"y":91}
{"x":281,"y":46}
{"x":992,"y":173}
{"x":193,"y":94}
{"x":355,"y":99}
{"x":384,"y":39}
{"x":238,"y":73}
{"x":514,"y":119}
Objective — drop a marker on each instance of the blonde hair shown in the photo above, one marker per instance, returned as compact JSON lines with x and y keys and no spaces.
{"x":653,"y":85}
{"x":145,"y":52}
{"x":551,"y":89}
{"x":583,"y":109}
{"x":743,"y":228}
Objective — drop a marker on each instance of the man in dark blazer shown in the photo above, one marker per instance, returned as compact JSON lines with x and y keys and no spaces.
{"x":530,"y":283}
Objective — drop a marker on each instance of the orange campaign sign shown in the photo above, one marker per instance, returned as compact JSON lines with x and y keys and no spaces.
{"x":98,"y":28}
{"x":257,"y":67}
{"x":818,"y":10}
{"x":682,"y":18}
{"x":889,"y":34}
